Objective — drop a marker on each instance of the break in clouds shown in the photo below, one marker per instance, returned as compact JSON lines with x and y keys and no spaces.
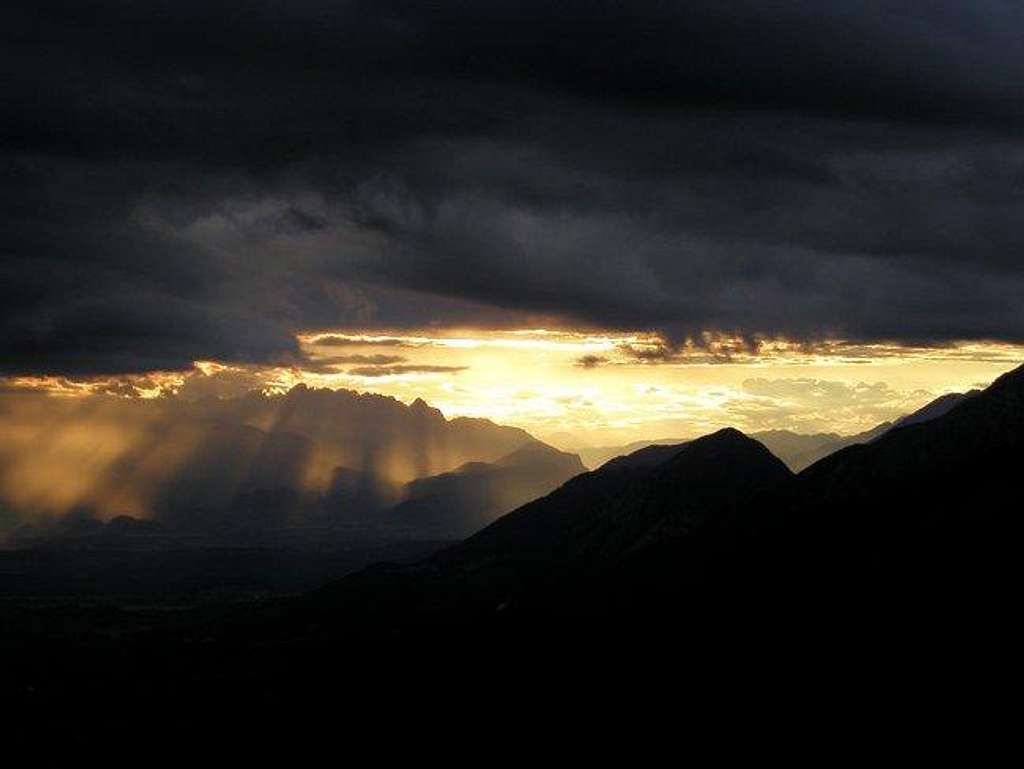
{"x":186,"y":180}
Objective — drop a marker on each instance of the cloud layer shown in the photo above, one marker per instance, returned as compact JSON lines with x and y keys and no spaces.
{"x":193,"y":180}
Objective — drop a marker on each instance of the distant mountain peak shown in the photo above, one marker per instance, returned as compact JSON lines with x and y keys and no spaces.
{"x":420,"y":406}
{"x":636,"y":501}
{"x":726,"y":436}
{"x":726,"y":445}
{"x":475,"y":494}
{"x":533,"y":451}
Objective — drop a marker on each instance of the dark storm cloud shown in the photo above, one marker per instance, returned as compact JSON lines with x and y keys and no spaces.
{"x":334,"y":340}
{"x":379,"y":371}
{"x":371,"y":360}
{"x":655,"y":354}
{"x":333,"y":363}
{"x":187,"y":180}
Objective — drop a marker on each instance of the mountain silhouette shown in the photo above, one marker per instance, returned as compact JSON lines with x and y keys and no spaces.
{"x":935,"y":409}
{"x":368,"y":432}
{"x":459,"y":503}
{"x":332,"y":459}
{"x":709,"y":479}
{"x":959,"y":466}
{"x":592,"y":525}
{"x":720,"y":521}
{"x":797,"y":450}
{"x":595,"y":457}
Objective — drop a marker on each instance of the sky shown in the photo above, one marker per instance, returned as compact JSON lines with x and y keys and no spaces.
{"x":641,"y":219}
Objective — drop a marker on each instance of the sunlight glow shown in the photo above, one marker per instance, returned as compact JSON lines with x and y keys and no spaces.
{"x":577,"y":388}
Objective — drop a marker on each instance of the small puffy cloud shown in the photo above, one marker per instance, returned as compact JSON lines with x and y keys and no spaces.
{"x":591,"y":361}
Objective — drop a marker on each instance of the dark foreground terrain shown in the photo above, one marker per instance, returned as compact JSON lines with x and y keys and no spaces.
{"x":682,"y":572}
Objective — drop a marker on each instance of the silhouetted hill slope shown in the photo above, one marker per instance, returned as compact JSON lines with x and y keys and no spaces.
{"x":924,"y":514}
{"x":456,"y":504}
{"x":712,"y":478}
{"x":595,"y":457}
{"x":648,"y":456}
{"x":972,"y":451}
{"x":936,"y":408}
{"x":588,"y":526}
{"x":800,"y":451}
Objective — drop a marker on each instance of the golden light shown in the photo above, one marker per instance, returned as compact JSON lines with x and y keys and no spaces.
{"x":577,"y":388}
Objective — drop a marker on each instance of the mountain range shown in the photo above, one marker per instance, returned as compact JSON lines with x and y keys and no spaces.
{"x":333,"y":463}
{"x":315,"y":463}
{"x":921,"y":513}
{"x":797,"y":450}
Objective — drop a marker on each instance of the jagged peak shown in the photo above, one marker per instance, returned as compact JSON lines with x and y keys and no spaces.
{"x":420,"y":406}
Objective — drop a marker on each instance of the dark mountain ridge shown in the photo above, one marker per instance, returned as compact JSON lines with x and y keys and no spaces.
{"x":969,"y":452}
{"x":714,"y":476}
{"x":591,"y":526}
{"x":797,"y":450}
{"x":720,"y":518}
